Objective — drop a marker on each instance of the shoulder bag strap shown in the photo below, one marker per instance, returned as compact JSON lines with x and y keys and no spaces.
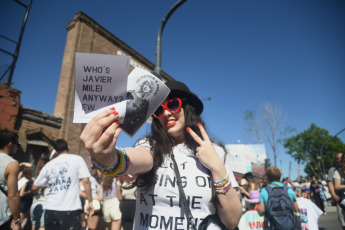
{"x":341,"y":173}
{"x":183,"y":199}
{"x":3,"y":190}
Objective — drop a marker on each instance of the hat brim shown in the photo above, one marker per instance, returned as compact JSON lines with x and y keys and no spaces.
{"x":252,"y":200}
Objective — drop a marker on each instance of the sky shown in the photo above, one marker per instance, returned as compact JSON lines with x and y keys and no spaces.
{"x":290,"y":53}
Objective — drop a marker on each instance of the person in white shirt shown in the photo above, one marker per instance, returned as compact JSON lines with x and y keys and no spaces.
{"x":95,"y":221}
{"x":61,"y":175}
{"x":309,"y":213}
{"x":178,"y":144}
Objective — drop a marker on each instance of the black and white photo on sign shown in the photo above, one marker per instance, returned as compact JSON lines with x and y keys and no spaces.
{"x":145,"y":92}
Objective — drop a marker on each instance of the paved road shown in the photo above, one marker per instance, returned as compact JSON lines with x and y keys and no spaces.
{"x":329,"y":221}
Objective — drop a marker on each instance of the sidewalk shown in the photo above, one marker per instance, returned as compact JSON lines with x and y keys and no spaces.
{"x":330,"y":220}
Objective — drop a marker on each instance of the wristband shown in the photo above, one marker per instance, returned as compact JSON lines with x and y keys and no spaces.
{"x":221,"y":183}
{"x":223,"y":189}
{"x":118,"y":168}
{"x":97,"y":165}
{"x":17,"y":221}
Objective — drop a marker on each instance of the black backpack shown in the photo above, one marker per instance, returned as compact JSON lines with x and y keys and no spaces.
{"x":280,"y":212}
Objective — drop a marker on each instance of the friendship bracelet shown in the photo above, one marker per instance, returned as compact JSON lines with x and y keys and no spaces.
{"x":221,"y":183}
{"x":18,"y":221}
{"x":223,"y":190}
{"x":122,"y":165}
{"x":97,"y":165}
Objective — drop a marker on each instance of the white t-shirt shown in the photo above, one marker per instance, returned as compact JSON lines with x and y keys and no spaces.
{"x":309,"y":213}
{"x":251,"y":219}
{"x":62,"y":176}
{"x":22,"y":181}
{"x":159,"y":207}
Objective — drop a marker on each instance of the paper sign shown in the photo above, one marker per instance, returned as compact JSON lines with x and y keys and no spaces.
{"x":100,"y":82}
{"x":145,"y":92}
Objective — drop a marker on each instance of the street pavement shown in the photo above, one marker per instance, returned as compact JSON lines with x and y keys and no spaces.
{"x":329,"y":221}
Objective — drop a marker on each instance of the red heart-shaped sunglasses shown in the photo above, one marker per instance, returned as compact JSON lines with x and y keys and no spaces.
{"x":173,"y":106}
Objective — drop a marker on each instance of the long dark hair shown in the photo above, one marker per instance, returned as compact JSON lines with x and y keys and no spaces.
{"x":107,"y":184}
{"x":162,"y":143}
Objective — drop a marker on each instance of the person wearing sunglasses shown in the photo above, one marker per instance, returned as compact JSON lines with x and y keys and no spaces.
{"x":176,"y":157}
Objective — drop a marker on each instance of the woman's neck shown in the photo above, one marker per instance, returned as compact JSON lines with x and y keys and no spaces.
{"x":180,"y":139}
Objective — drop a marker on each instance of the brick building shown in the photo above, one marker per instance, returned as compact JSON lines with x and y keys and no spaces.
{"x":37,"y":130}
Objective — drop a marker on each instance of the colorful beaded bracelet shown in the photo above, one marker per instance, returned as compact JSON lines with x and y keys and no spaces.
{"x":18,"y":221}
{"x":221,"y":183}
{"x":223,"y":190}
{"x":119,"y":168}
{"x":97,"y":165}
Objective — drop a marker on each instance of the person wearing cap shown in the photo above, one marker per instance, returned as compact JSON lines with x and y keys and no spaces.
{"x":251,"y":219}
{"x":244,"y":193}
{"x":177,"y":132}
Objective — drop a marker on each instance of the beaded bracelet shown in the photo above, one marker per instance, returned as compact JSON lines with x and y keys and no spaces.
{"x":124,"y":164}
{"x":221,"y":183}
{"x":119,"y":168}
{"x":223,"y":190}
{"x":97,"y":165}
{"x":18,"y":221}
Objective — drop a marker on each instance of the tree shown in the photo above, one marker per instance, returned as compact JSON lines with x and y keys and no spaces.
{"x":305,"y":147}
{"x":268,"y":126}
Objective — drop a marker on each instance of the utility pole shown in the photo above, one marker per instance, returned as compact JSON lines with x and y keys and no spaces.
{"x":158,"y":69}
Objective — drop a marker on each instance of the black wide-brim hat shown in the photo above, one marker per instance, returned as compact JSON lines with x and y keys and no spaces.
{"x":179,"y":89}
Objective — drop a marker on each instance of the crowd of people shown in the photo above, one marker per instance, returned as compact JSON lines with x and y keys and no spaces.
{"x":182,"y":181}
{"x":304,"y":196}
{"x":57,"y":196}
{"x":309,"y":197}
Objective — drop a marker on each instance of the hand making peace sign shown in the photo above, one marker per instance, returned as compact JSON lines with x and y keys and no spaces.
{"x":206,"y":152}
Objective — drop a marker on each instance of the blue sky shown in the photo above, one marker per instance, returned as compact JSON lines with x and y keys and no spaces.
{"x":240,"y":53}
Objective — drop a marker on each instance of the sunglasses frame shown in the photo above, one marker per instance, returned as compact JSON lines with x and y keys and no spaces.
{"x":165,"y":107}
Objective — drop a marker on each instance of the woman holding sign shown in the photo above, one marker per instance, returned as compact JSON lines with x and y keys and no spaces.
{"x":183,"y":181}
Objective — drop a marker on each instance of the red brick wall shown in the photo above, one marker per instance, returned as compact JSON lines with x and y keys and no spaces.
{"x":9,"y":107}
{"x":84,"y":35}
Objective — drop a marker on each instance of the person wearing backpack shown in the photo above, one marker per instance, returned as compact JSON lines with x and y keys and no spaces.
{"x":278,"y":203}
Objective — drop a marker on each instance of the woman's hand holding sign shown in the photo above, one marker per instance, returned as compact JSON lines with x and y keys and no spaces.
{"x":207,"y":154}
{"x":100,"y":135}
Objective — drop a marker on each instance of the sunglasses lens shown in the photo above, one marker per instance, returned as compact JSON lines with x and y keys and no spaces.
{"x":159,"y":111}
{"x":174,"y":105}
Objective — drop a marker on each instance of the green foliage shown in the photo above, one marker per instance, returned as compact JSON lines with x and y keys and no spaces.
{"x":306,"y":146}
